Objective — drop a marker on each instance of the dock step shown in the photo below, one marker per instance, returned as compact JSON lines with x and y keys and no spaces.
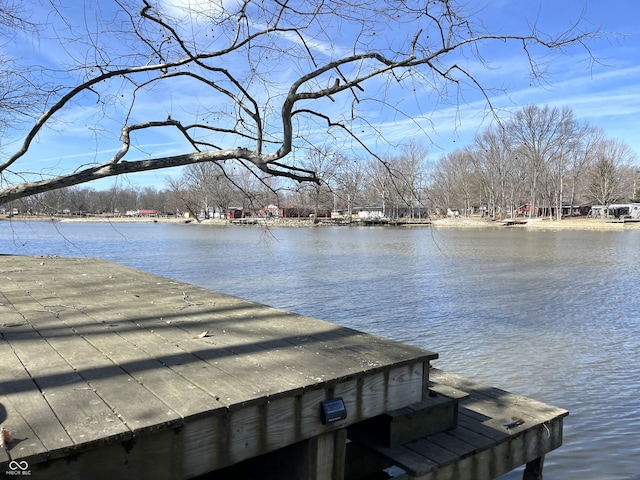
{"x":436,"y":413}
{"x":497,"y":432}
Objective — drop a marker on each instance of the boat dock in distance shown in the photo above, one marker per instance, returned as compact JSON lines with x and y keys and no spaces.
{"x":109,"y":372}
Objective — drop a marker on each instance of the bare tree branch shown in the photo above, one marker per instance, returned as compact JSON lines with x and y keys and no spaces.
{"x":252,"y":71}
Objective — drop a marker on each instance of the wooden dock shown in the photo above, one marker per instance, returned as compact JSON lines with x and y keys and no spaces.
{"x":109,"y":372}
{"x":494,"y":432}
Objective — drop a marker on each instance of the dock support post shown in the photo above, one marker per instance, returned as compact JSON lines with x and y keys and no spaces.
{"x":533,"y":470}
{"x":322,"y":457}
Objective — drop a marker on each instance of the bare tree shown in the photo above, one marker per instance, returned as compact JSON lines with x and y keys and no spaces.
{"x":611,"y":172}
{"x":454,"y":180}
{"x":569,"y":137}
{"x":209,"y":185}
{"x":493,"y":157}
{"x":185,"y":199}
{"x":350,"y":179}
{"x":380,"y":186}
{"x":321,"y":194}
{"x":540,"y":134}
{"x":19,"y":95}
{"x":253,"y":81}
{"x":409,"y":175}
{"x":580,"y":158}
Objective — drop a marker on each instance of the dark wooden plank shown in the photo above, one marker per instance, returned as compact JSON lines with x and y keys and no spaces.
{"x":406,"y":458}
{"x":435,"y":453}
{"x":456,"y":444}
{"x":471,"y":437}
{"x":472,"y":421}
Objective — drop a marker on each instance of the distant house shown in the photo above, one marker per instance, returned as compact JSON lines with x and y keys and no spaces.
{"x":566,"y":210}
{"x":141,"y":213}
{"x":370,"y":213}
{"x":234,"y":212}
{"x":624,"y":210}
{"x":271,"y":211}
{"x":147,"y":213}
{"x":416,"y":212}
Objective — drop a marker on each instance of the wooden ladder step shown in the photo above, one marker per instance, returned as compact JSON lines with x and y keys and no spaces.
{"x":447,"y":391}
{"x":436,"y":413}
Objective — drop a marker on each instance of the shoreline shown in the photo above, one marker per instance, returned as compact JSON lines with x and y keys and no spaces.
{"x":460,"y":222}
{"x":600,"y":224}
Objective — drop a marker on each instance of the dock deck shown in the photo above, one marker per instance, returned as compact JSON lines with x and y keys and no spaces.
{"x":110,"y":372}
{"x":107,"y":365}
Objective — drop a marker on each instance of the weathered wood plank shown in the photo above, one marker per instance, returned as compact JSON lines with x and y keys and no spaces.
{"x":128,"y":399}
{"x":149,"y":456}
{"x":268,"y":349}
{"x":265,"y":336}
{"x":282,"y":324}
{"x":67,"y":312}
{"x":324,"y":458}
{"x":37,"y":429}
{"x":432,"y":451}
{"x":269,"y":362}
{"x":174,"y":390}
{"x":495,"y":396}
{"x":457,"y":444}
{"x":182,"y":379}
{"x":25,"y":443}
{"x":79,"y":409}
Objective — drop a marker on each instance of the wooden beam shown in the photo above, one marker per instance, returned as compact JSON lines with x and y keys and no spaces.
{"x":322,"y":457}
{"x":533,"y":470}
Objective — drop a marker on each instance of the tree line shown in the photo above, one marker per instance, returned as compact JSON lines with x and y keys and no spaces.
{"x":543,"y":158}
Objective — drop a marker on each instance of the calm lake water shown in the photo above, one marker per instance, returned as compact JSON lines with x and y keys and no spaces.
{"x":554,"y":315}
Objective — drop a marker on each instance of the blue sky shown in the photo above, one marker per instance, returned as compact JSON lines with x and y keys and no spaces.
{"x":605,"y":93}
